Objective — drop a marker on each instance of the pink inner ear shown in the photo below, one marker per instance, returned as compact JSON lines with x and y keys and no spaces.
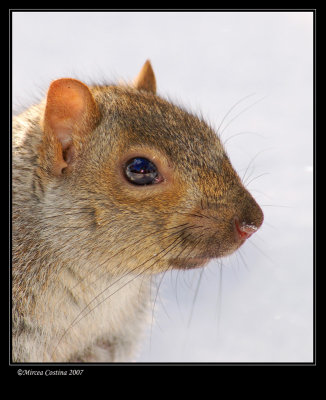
{"x":70,"y":112}
{"x":68,"y":154}
{"x":65,"y":138}
{"x":65,"y":105}
{"x":63,"y":133}
{"x":68,"y":102}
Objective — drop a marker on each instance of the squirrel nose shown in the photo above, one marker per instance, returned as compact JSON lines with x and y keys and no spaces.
{"x":244,"y":229}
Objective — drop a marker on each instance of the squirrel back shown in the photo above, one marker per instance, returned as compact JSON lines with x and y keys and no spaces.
{"x":111,"y":185}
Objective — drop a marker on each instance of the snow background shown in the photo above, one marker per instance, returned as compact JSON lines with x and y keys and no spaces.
{"x":259,"y":306}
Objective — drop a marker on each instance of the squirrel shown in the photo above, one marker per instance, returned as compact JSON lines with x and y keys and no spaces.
{"x":112,"y":185}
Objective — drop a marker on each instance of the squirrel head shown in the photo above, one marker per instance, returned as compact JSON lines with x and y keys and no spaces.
{"x":153,"y":184}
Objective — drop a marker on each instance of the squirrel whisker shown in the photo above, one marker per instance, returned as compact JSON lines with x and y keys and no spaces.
{"x":79,"y":317}
{"x":256,"y":177}
{"x":139,"y":251}
{"x":230,"y":110}
{"x":241,"y":112}
{"x":91,"y":271}
{"x":127,"y":248}
{"x":242,"y":259}
{"x":195,"y":297}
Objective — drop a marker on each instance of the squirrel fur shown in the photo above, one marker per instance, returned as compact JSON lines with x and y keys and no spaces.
{"x":85,"y":241}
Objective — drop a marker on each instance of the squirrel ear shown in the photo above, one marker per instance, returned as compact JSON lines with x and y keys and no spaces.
{"x":70,"y":113}
{"x":145,"y":80}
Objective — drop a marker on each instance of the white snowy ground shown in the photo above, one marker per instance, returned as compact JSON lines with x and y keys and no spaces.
{"x":259,"y":307}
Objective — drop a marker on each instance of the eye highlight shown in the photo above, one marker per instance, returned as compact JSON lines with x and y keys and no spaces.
{"x":141,"y":171}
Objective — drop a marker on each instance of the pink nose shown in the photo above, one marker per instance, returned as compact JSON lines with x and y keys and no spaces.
{"x":244,"y":229}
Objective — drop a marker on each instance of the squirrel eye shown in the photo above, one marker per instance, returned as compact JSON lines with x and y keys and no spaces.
{"x":141,"y":171}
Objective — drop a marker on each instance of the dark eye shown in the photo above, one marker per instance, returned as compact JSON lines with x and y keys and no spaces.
{"x":141,"y":171}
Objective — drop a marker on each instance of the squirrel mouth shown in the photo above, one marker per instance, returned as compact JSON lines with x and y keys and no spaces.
{"x":189,"y":262}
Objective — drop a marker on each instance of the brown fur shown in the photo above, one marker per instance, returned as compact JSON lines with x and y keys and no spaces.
{"x":86,"y":241}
